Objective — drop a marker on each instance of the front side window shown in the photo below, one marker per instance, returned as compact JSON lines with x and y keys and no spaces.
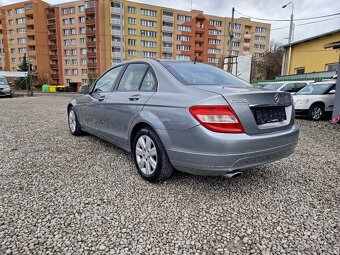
{"x":106,"y":82}
{"x":132,"y":77}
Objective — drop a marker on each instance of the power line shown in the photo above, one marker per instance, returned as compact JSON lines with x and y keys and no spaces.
{"x":309,"y":18}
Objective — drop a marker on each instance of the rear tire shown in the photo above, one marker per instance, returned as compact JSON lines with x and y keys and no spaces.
{"x":150,"y":156}
{"x":73,"y":123}
{"x":316,"y":112}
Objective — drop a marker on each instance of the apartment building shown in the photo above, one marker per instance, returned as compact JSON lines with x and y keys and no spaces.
{"x":23,"y":30}
{"x":75,"y":42}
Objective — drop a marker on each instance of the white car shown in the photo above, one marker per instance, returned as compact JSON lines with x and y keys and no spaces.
{"x":287,"y":86}
{"x":315,"y":99}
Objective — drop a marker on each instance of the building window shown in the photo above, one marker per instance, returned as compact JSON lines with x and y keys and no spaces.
{"x":73,"y":21}
{"x":235,"y":26}
{"x":10,"y":22}
{"x":10,"y":12}
{"x":81,"y":8}
{"x":22,"y":40}
{"x":132,"y":52}
{"x":13,"y":60}
{"x":148,"y":33}
{"x":75,"y":71}
{"x":68,"y":72}
{"x":216,"y":23}
{"x":74,"y":62}
{"x":131,"y":9}
{"x":260,"y":38}
{"x":71,"y":10}
{"x":67,"y":62}
{"x":214,"y":51}
{"x":149,"y":54}
{"x":235,"y":44}
{"x":82,"y":19}
{"x":85,"y":81}
{"x":83,"y":71}
{"x":259,"y":46}
{"x":12,"y":41}
{"x":74,"y":52}
{"x":184,"y":18}
{"x":11,"y":32}
{"x":183,"y":57}
{"x":20,"y":11}
{"x":183,"y":38}
{"x":147,"y":12}
{"x":148,"y":23}
{"x":332,"y":67}
{"x":82,"y":41}
{"x":214,"y":32}
{"x":82,"y":30}
{"x":214,"y":41}
{"x":83,"y":61}
{"x":260,"y":29}
{"x":67,"y":52}
{"x":300,"y":70}
{"x":21,"y":30}
{"x":212,"y":60}
{"x":83,"y":51}
{"x":132,"y":31}
{"x":258,"y":55}
{"x":235,"y":53}
{"x":236,"y":35}
{"x":183,"y":47}
{"x":64,"y":11}
{"x":183,"y":28}
{"x":22,"y":50}
{"x":131,"y":42}
{"x":66,"y":42}
{"x":149,"y":44}
{"x":65,"y":21}
{"x":131,"y":20}
{"x":21,"y":21}
{"x":66,"y":31}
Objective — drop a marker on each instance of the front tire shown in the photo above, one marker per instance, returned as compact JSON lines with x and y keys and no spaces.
{"x":150,"y":156}
{"x":73,"y":123}
{"x":316,"y":112}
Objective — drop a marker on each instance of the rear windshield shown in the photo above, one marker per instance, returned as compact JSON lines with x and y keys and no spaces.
{"x":201,"y":74}
{"x":3,"y":81}
{"x":273,"y":86}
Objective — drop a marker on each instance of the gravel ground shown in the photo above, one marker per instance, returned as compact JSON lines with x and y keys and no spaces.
{"x":61,"y":194}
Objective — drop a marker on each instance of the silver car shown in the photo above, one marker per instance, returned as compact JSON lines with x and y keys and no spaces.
{"x":186,"y":116}
{"x":5,"y":88}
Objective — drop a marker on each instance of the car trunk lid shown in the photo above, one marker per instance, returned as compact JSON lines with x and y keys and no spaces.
{"x":260,"y":111}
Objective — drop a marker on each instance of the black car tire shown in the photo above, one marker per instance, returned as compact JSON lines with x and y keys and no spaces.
{"x":316,"y":108}
{"x":163,"y":169}
{"x":77,"y":130}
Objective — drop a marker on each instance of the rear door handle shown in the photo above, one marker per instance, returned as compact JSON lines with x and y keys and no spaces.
{"x":101,"y":98}
{"x":134,"y":97}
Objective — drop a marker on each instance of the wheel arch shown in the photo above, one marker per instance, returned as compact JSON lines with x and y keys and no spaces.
{"x":318,"y":103}
{"x":138,"y":126}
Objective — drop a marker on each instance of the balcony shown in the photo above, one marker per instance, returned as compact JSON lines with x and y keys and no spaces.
{"x":167,"y":39}
{"x":199,"y":58}
{"x":116,"y":55}
{"x":167,"y":29}
{"x":247,"y":36}
{"x":30,"y":32}
{"x":91,"y":44}
{"x":116,"y":44}
{"x":167,"y":49}
{"x":91,"y":54}
{"x":29,"y":11}
{"x":53,"y":46}
{"x":51,"y":26}
{"x":116,"y":32}
{"x":91,"y":10}
{"x":54,"y":56}
{"x":52,"y":37}
{"x":29,"y":22}
{"x":32,"y":52}
{"x":199,"y":39}
{"x":246,"y":44}
{"x":55,"y":76}
{"x":92,"y":65}
{"x":90,"y":32}
{"x":116,"y":22}
{"x":90,"y":21}
{"x":117,"y":10}
{"x":168,"y":18}
{"x":54,"y":66}
{"x":31,"y":43}
{"x":50,"y":16}
{"x":198,"y":48}
{"x":199,"y":29}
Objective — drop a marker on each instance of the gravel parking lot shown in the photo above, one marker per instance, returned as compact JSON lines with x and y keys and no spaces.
{"x":61,"y":194}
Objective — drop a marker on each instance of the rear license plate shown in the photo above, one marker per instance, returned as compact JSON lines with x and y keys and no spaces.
{"x":269,"y":114}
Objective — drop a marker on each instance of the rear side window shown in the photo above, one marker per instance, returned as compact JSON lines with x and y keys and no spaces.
{"x":133,"y":77}
{"x":106,"y":82}
{"x":149,"y":82}
{"x":201,"y":74}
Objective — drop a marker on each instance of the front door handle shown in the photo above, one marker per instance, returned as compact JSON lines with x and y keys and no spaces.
{"x":101,"y":98}
{"x":134,"y":98}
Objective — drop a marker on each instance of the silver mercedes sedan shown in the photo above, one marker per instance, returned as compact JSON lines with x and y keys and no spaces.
{"x":187,"y":116}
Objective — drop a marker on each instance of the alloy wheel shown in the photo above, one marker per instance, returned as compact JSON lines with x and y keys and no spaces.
{"x":316,"y":113}
{"x":146,"y":155}
{"x":72,"y":122}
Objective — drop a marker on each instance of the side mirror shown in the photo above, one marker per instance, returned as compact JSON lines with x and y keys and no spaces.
{"x":84,"y":89}
{"x":332,"y":91}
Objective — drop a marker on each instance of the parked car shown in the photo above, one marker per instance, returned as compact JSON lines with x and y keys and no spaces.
{"x":186,"y":116}
{"x":5,"y":88}
{"x":315,"y":99}
{"x":260,"y":84}
{"x":291,"y":87}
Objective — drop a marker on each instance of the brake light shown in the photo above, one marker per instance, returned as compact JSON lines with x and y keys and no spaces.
{"x":217,"y":118}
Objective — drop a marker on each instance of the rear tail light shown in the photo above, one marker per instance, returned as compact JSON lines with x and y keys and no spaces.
{"x":217,"y":118}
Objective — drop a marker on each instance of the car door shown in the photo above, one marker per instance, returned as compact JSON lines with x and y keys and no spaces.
{"x":136,"y":86}
{"x":93,"y":112}
{"x":329,"y":98}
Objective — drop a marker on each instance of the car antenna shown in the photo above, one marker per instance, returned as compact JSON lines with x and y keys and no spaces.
{"x":195,"y":59}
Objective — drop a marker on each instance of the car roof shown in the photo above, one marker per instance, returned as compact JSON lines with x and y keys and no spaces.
{"x":323,"y":82}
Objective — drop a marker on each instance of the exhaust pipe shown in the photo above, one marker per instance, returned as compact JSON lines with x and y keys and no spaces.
{"x":232,"y":175}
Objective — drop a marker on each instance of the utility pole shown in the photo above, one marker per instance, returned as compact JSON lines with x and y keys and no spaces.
{"x":2,"y":54}
{"x":231,"y":36}
{"x":290,"y":39}
{"x":121,"y":31}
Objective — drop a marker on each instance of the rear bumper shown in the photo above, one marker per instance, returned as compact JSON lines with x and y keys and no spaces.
{"x":202,"y":152}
